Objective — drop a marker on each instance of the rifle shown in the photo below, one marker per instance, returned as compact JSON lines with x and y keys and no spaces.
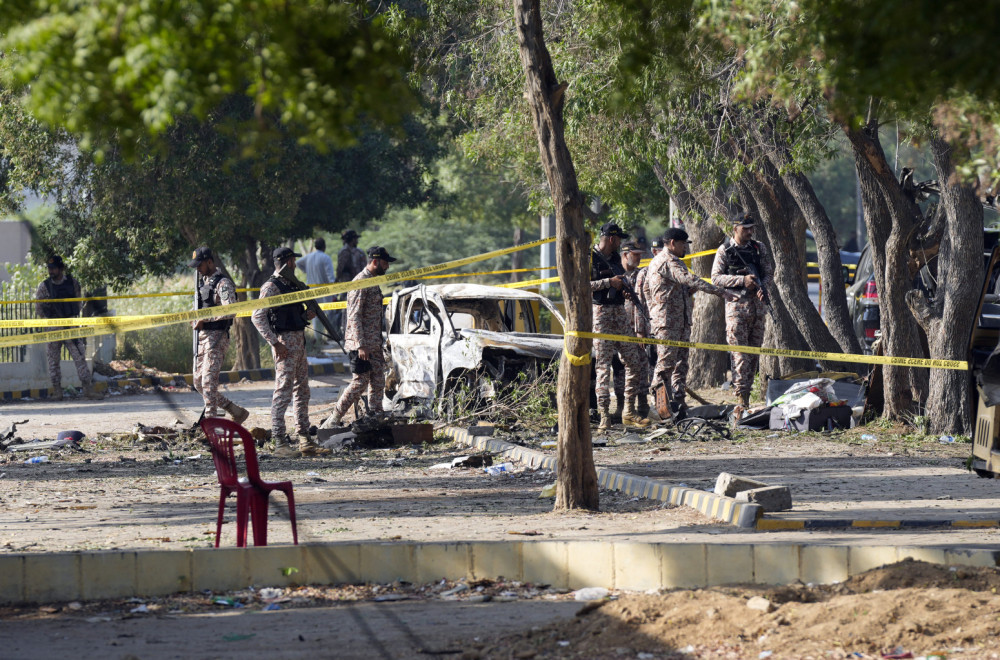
{"x":751,"y":270}
{"x":627,"y":288}
{"x":312,"y":305}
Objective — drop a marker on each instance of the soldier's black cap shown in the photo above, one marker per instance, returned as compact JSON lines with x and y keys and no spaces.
{"x":349,"y":234}
{"x":379,"y":252}
{"x":282,"y":253}
{"x":55,"y":261}
{"x":675,"y":234}
{"x":632,"y":246}
{"x":657,"y":244}
{"x":200,"y":255}
{"x":743,"y":219}
{"x":612,"y":229}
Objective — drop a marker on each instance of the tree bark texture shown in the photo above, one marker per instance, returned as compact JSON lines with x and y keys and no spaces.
{"x":247,"y":339}
{"x":947,"y":320}
{"x":891,"y":219}
{"x":577,"y":477}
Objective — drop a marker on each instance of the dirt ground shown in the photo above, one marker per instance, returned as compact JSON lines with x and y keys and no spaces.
{"x":127,"y":489}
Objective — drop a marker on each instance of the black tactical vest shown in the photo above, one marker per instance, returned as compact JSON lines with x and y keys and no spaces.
{"x":206,"y":298}
{"x":287,"y":318}
{"x":599,"y":271}
{"x":749,"y":252}
{"x":61,"y":310}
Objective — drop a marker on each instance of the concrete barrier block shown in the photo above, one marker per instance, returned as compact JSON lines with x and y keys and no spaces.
{"x":219,"y":569}
{"x":638,"y":566}
{"x":493,"y":560}
{"x":162,"y":572}
{"x":590,"y":564}
{"x":51,"y":577}
{"x":387,"y":562}
{"x":435,"y":561}
{"x":775,"y":564}
{"x":981,"y":558}
{"x":545,"y":563}
{"x":11,"y":579}
{"x":770,"y":498}
{"x":929,"y":555}
{"x":729,"y":564}
{"x":334,"y":563}
{"x":865,"y":558}
{"x":727,"y":485}
{"x":684,"y":565}
{"x":822,"y":564}
{"x":276,"y":566}
{"x":107,"y":575}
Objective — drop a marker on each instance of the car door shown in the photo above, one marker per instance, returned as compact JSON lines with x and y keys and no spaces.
{"x":414,"y":344}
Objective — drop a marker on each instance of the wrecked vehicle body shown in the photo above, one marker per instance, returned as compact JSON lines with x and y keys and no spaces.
{"x":445,"y":337}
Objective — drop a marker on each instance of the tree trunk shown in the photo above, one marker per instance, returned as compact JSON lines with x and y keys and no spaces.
{"x":891,"y":218}
{"x":247,"y":339}
{"x":947,"y":320}
{"x":517,"y":258}
{"x":827,"y":250}
{"x":576,"y":476}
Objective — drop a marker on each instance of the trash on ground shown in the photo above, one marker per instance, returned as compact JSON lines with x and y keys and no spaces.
{"x":591,"y":593}
{"x":503,"y":468}
{"x":548,"y":491}
{"x":37,"y":459}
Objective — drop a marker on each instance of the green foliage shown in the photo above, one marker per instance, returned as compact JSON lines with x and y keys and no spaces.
{"x":23,"y":278}
{"x":113,"y":72}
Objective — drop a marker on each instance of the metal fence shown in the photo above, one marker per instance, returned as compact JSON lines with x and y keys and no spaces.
{"x":15,"y":311}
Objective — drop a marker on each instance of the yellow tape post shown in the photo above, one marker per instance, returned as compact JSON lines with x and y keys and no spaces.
{"x":960,"y":365}
{"x":249,"y":306}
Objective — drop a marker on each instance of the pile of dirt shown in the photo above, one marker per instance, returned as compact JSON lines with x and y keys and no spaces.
{"x":910,"y":609}
{"x":131,"y":369}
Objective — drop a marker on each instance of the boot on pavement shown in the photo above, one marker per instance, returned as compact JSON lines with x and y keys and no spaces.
{"x":238,"y":414}
{"x":309,"y":448}
{"x":91,"y":393}
{"x":605,"y":423}
{"x":283,"y":446}
{"x":332,"y":421}
{"x":631,"y":418}
{"x":642,"y":405}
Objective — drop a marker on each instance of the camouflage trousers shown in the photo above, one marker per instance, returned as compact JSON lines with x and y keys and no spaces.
{"x":75,"y":351}
{"x":745,"y":327}
{"x":612,"y":320}
{"x":672,"y":361}
{"x":372,"y":382}
{"x":619,"y":370}
{"x":212,"y":346}
{"x":291,"y":385}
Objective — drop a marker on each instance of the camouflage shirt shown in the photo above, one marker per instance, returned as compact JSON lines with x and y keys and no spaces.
{"x":364,"y":316}
{"x":669,"y":285}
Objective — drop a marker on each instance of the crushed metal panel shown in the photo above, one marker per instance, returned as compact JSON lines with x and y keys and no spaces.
{"x":540,"y":346}
{"x":415,"y":360}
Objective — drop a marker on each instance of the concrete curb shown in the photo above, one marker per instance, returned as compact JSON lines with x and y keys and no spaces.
{"x":227,"y":377}
{"x":60,"y":577}
{"x":727,"y":509}
{"x":775,"y":524}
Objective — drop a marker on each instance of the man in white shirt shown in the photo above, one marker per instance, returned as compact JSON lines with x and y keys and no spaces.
{"x":319,"y":270}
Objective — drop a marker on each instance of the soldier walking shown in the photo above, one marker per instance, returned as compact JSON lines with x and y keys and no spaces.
{"x":670,"y":287}
{"x":364,"y":340}
{"x":284,"y":329}
{"x":214,"y":290}
{"x":606,"y":276}
{"x":735,"y":261}
{"x":640,"y":324}
{"x":61,"y":284}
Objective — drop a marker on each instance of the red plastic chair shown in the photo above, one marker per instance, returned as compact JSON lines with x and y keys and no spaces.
{"x":252,"y":493}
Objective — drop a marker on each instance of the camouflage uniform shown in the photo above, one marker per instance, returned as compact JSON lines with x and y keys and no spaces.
{"x":212,"y":346}
{"x":670,"y":286}
{"x":291,"y":374}
{"x":611,"y":318}
{"x":744,"y":318}
{"x":364,"y":330}
{"x":67,"y":287}
{"x":640,"y":326}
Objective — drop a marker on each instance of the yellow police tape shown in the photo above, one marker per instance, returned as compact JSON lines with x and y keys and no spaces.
{"x":960,"y":365}
{"x":259,"y":303}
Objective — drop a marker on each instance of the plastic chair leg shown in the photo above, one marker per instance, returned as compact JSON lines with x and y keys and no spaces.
{"x":242,"y":518}
{"x":258,"y":515}
{"x":291,"y":516}
{"x":218,"y":523}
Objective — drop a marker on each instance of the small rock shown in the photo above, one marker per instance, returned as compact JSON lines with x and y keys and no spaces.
{"x":760,"y":604}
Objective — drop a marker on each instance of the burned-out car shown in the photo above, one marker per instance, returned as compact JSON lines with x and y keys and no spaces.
{"x":441,"y":337}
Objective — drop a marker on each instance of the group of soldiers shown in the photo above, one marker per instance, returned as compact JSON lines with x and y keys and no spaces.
{"x":656,"y":302}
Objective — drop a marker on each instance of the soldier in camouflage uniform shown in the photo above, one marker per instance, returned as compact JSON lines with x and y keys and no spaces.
{"x":745,"y":316}
{"x":670,"y":286}
{"x":61,"y":284}
{"x":214,"y":290}
{"x":364,"y":340}
{"x":283,"y":328}
{"x":640,"y":324}
{"x":606,"y":275}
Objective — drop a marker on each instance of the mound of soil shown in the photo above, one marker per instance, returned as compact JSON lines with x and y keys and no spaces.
{"x":907,"y":608}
